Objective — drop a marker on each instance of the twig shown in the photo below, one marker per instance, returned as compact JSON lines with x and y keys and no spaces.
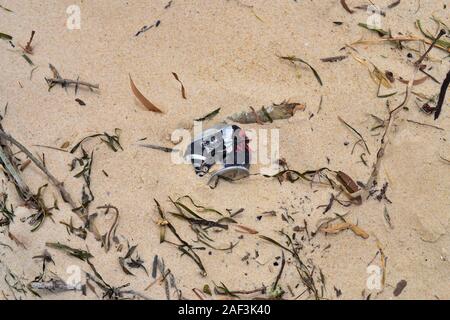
{"x":66,"y":82}
{"x":384,"y":140}
{"x":425,"y":124}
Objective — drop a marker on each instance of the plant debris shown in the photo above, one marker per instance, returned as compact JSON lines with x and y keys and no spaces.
{"x":442,"y":94}
{"x":209,"y":116}
{"x":284,"y":110}
{"x":334,"y":59}
{"x":183,"y":90}
{"x":129,"y":262}
{"x":294,"y":59}
{"x":147,"y":104}
{"x":77,"y":253}
{"x":5,"y":36}
{"x":346,"y":7}
{"x":57,"y":79}
{"x":337,"y":228}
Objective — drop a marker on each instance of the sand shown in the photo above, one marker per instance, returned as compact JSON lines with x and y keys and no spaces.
{"x":225,"y":53}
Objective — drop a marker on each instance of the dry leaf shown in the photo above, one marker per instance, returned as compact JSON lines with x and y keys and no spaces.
{"x":347,"y":182}
{"x":416,"y":82}
{"x":183,"y":90}
{"x":359,"y":232}
{"x":245,"y":229}
{"x":345,"y":226}
{"x":150,"y":106}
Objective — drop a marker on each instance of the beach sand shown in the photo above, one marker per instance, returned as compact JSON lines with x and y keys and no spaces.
{"x":226,"y":55}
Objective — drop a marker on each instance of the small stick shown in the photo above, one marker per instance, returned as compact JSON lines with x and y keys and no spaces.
{"x":66,"y":82}
{"x":425,"y":124}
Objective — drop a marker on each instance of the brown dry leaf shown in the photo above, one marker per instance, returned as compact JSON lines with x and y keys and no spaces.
{"x":347,"y":182}
{"x":415,"y":82}
{"x":359,"y":232}
{"x":183,"y":90}
{"x":375,"y":73}
{"x":244,"y":229}
{"x":65,"y":145}
{"x":150,"y":106}
{"x":345,"y":226}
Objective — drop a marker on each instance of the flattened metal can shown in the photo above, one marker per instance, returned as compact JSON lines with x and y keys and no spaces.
{"x":224,"y":144}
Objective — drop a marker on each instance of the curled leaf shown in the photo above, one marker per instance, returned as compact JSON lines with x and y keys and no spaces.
{"x":147,"y":104}
{"x":183,"y":90}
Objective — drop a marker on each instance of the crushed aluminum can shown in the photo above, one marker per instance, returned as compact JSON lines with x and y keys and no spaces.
{"x":223,"y":144}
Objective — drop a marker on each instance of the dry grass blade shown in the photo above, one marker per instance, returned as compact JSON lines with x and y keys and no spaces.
{"x":244,"y":229}
{"x":295,"y":59}
{"x":356,"y":132}
{"x":147,"y":104}
{"x":183,"y":90}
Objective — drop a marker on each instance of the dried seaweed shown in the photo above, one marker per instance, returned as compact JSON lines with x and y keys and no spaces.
{"x":184,"y":247}
{"x":357,"y":133}
{"x":334,"y":59}
{"x":442,"y":94}
{"x":306,"y":275}
{"x":85,"y":162}
{"x":37,"y":218}
{"x":128,"y":261}
{"x":111,"y":234}
{"x":209,"y":116}
{"x":6,"y":9}
{"x":110,"y":292}
{"x":7,"y":212}
{"x":77,"y":253}
{"x":27,"y":59}
{"x":155,"y":147}
{"x":111,"y":140}
{"x":5,"y":36}
{"x":294,"y":59}
{"x":78,"y":231}
{"x":200,"y":207}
